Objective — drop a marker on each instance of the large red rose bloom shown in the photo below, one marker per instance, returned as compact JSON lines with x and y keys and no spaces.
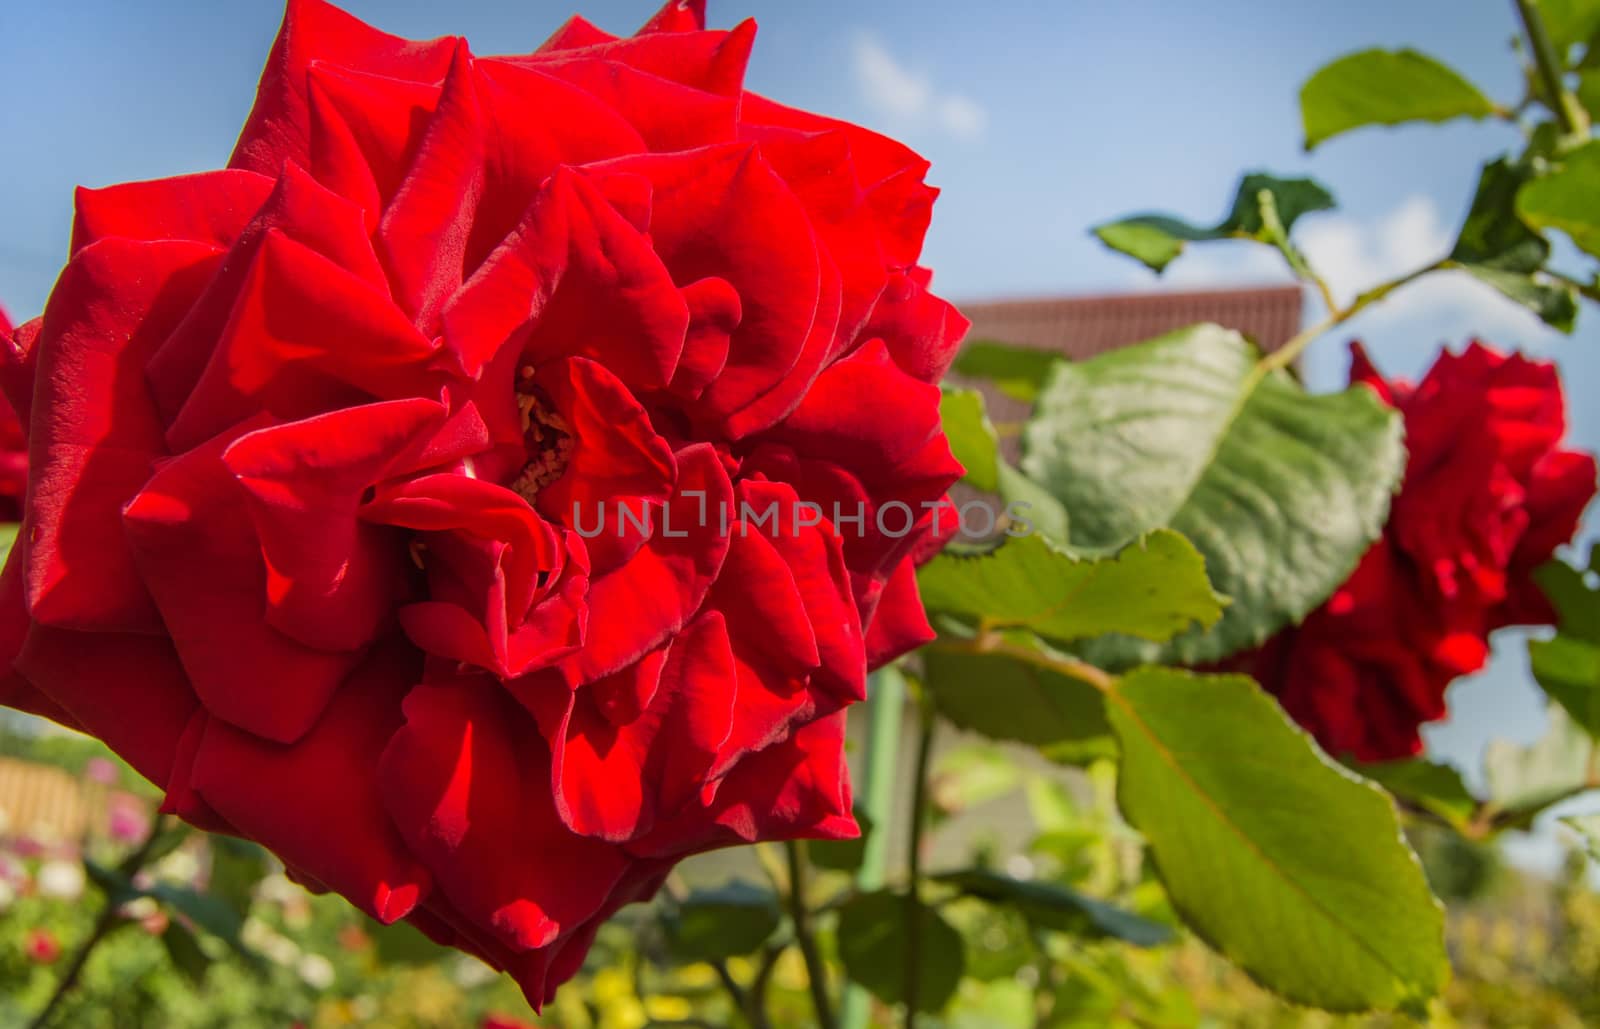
{"x":1489,"y":494}
{"x":493,"y":486}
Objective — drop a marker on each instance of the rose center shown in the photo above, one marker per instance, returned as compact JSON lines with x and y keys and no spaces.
{"x":547,"y":436}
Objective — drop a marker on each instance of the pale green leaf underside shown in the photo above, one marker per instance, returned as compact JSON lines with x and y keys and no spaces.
{"x":1281,"y":490}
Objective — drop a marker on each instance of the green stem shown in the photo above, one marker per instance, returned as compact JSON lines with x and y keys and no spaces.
{"x":886,"y":711}
{"x":1569,"y":113}
{"x":919,"y":818}
{"x":106,"y":921}
{"x":816,"y":971}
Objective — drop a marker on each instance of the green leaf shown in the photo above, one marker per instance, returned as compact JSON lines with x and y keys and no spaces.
{"x":113,"y":882}
{"x":1016,"y":371}
{"x":212,"y":914}
{"x":1051,"y":906}
{"x":1569,"y":22}
{"x":1007,"y":699}
{"x":170,"y":840}
{"x":236,"y":867}
{"x":1288,"y":864}
{"x":1038,"y":513}
{"x":1569,"y":671}
{"x":1577,"y":603}
{"x":1588,"y":829}
{"x":1568,"y":666}
{"x":1526,"y":780}
{"x":1565,"y":198}
{"x":1497,"y":247}
{"x":732,"y":919}
{"x":1155,"y":239}
{"x":843,"y":855}
{"x":8,"y":537}
{"x":185,"y":952}
{"x":872,"y":947}
{"x":1153,"y":588}
{"x":1433,"y":787}
{"x":971,"y":436}
{"x":1281,"y":490}
{"x":1385,"y":87}
{"x":404,"y":944}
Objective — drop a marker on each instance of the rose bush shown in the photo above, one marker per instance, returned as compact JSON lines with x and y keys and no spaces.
{"x":1489,"y":495}
{"x":493,"y":486}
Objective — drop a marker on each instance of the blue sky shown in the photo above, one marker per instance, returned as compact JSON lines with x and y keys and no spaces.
{"x":1040,"y":119}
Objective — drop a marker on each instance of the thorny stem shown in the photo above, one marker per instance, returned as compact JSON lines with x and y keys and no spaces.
{"x":1286,"y":355}
{"x":106,"y":921}
{"x":1569,"y":113}
{"x":919,"y":787}
{"x":816,"y":971}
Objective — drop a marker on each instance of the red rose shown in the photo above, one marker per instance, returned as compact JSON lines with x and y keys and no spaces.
{"x":13,"y":446}
{"x":1488,"y":496}
{"x":487,"y":491}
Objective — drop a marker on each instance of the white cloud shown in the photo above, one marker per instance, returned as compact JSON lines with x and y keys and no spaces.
{"x":962,"y":116}
{"x":910,"y":96}
{"x":1354,"y":256}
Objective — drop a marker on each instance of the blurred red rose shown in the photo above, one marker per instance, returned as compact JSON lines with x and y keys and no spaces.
{"x":1488,"y":496}
{"x":495,"y":484}
{"x":13,"y":445}
{"x":41,"y":946}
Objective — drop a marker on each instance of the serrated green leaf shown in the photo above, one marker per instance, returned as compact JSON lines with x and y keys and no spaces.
{"x":1497,"y":247}
{"x":1155,"y":239}
{"x":872,"y":947}
{"x":1564,"y":199}
{"x":1152,"y":588}
{"x":1385,"y":87}
{"x":1431,"y":786}
{"x":971,"y":435}
{"x":1016,"y":371}
{"x":1526,"y":780}
{"x":1281,"y":490}
{"x":1051,"y":906}
{"x":1008,"y":699}
{"x":1285,"y":862}
{"x":733,"y":919}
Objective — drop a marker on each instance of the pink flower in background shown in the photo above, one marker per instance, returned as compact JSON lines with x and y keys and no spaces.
{"x":126,"y":817}
{"x":41,"y":946}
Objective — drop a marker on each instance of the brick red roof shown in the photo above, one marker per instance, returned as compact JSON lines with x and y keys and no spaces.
{"x":1082,"y":326}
